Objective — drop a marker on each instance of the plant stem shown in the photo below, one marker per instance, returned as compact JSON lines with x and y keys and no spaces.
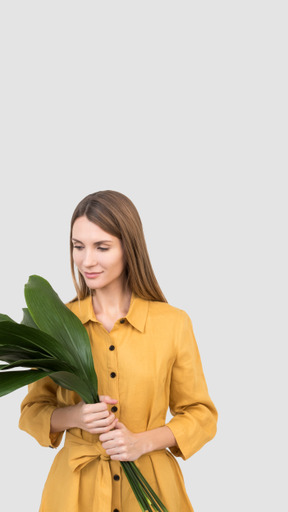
{"x":149,"y":489}
{"x":135,"y":487}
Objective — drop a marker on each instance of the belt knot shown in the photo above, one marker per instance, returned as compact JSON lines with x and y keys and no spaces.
{"x":81,"y":452}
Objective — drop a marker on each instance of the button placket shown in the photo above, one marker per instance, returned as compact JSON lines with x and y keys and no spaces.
{"x":113,"y":389}
{"x":116,"y":474}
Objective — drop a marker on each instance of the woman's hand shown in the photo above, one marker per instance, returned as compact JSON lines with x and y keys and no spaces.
{"x":122,"y":444}
{"x":95,"y":418}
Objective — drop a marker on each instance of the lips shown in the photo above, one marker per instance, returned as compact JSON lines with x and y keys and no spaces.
{"x":92,"y":275}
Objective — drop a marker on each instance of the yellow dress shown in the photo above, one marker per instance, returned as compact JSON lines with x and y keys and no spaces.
{"x":148,"y":362}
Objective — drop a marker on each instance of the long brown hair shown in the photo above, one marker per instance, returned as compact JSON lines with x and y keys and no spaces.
{"x":116,"y":214}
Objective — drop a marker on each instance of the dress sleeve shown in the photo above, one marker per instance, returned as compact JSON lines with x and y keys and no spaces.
{"x":194,"y":414}
{"x":36,"y":411}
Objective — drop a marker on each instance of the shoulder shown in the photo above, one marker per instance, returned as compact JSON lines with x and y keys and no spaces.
{"x":167,"y":312}
{"x":82,"y":308}
{"x":72,"y":305}
{"x":169,"y":322}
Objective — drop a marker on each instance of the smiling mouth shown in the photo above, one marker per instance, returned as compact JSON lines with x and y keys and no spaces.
{"x":91,"y":275}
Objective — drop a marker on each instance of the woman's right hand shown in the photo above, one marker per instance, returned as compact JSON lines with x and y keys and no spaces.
{"x":94,"y":418}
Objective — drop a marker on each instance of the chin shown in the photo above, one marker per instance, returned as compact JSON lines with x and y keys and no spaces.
{"x":95,"y":286}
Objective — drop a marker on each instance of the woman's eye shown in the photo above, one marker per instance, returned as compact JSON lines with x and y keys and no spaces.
{"x":77,"y":247}
{"x":103,"y":248}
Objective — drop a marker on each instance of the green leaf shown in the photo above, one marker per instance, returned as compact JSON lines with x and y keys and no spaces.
{"x":41,"y":364}
{"x":11,"y":353}
{"x":74,"y":383}
{"x":27,"y":319}
{"x":61,"y":324}
{"x":10,"y":381}
{"x":6,"y":318}
{"x":28,"y":338}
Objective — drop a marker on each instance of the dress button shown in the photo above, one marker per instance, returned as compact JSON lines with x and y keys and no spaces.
{"x":112,"y":375}
{"x":114,"y":408}
{"x":111,"y":347}
{"x":116,"y":477}
{"x":122,"y":320}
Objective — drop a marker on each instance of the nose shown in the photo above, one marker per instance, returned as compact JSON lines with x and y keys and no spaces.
{"x":90,"y":258}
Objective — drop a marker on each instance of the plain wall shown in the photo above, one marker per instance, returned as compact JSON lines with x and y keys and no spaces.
{"x":182,"y":106}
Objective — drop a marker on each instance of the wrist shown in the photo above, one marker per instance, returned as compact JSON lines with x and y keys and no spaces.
{"x":63,"y":418}
{"x":145,"y":442}
{"x":156,"y":439}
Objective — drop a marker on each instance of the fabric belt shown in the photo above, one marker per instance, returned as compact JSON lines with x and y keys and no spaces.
{"x":81,"y":453}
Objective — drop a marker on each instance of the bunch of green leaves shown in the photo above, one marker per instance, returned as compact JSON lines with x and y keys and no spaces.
{"x":51,"y":341}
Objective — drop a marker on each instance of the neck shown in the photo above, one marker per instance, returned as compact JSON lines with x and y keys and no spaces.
{"x":112,"y":302}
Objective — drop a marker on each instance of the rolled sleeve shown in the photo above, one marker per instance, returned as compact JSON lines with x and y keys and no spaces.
{"x":194,"y":414}
{"x":36,"y":410}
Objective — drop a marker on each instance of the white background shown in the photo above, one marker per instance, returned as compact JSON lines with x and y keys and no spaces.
{"x":182,"y":106}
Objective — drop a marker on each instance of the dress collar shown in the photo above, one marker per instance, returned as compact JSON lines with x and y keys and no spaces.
{"x":136,"y":315}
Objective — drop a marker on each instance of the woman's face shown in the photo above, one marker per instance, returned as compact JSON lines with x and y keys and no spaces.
{"x":98,"y":255}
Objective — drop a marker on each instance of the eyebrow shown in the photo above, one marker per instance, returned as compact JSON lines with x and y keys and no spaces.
{"x":96,"y":243}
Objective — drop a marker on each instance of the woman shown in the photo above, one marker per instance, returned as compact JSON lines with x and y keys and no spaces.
{"x":146,"y":359}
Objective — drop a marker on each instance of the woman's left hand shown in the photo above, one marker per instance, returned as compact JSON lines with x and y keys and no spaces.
{"x":121,"y":444}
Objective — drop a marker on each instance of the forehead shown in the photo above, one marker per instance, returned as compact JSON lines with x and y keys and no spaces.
{"x":84,"y":229}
